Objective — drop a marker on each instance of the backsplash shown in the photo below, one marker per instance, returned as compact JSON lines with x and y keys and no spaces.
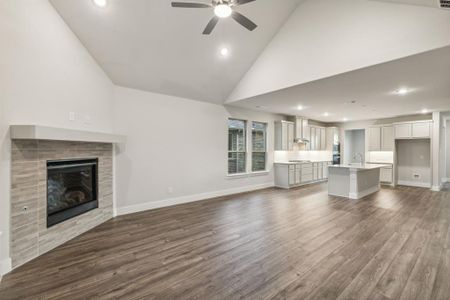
{"x":381,"y":156}
{"x":283,"y":156}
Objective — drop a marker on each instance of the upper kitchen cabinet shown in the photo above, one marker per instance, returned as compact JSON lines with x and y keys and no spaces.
{"x":413,"y":130}
{"x":284,"y":136}
{"x":318,"y":139}
{"x":381,"y":138}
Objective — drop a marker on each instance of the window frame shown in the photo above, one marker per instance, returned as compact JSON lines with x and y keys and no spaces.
{"x":266,"y":146}
{"x":245,"y":148}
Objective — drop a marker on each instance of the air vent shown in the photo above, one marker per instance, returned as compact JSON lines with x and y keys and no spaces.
{"x":445,"y":4}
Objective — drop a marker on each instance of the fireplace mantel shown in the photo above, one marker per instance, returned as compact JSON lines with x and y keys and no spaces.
{"x":37,"y":132}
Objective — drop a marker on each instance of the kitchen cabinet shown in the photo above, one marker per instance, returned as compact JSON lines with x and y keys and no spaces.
{"x":288,"y":175}
{"x":421,"y":130}
{"x":387,"y":138}
{"x":323,"y":139}
{"x":284,"y":136}
{"x":413,"y":130}
{"x":318,"y":139}
{"x":374,"y":138}
{"x":386,"y":175}
{"x":381,"y":138}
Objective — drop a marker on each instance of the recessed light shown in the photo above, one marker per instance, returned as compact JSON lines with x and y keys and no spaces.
{"x":402,"y":91}
{"x":223,"y":10}
{"x":326,"y":114}
{"x":100,"y":3}
{"x":344,"y":119}
{"x":424,"y":111}
{"x":300,"y":107}
{"x":224,"y":52}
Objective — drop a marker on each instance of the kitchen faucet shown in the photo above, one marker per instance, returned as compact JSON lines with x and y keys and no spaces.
{"x":360,"y":156}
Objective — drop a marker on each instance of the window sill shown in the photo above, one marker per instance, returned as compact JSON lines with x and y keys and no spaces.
{"x":259,"y":173}
{"x":243,"y":175}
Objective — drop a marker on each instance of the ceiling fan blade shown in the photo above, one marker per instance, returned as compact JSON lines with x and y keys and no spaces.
{"x":242,"y":2}
{"x":211,"y":24}
{"x":190,"y":5}
{"x":244,"y":21}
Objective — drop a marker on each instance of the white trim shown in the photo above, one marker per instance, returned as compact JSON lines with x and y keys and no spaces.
{"x":436,"y":188}
{"x":37,"y":132}
{"x":5,"y":266}
{"x":191,"y":198}
{"x":114,"y":167}
{"x":414,"y":183}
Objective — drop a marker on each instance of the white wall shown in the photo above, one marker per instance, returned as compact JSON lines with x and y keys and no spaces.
{"x":45,"y":73}
{"x":177,"y":150}
{"x":324,"y":38}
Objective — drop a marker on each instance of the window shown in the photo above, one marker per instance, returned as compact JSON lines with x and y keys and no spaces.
{"x":259,"y":142}
{"x":237,"y":146}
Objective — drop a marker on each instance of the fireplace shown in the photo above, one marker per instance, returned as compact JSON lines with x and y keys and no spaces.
{"x":71,"y":189}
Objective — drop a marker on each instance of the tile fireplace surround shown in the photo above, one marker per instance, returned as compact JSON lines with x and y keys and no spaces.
{"x":30,"y":236}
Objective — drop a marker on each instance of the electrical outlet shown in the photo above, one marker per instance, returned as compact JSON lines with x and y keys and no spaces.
{"x":170,"y":190}
{"x":416,"y":176}
{"x":72,"y":116}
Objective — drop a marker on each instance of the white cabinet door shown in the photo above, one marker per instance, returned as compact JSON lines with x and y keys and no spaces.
{"x":290,"y":136}
{"x":313,"y":138}
{"x":374,"y":138}
{"x":402,"y":131}
{"x":307,"y":173}
{"x":386,"y":175}
{"x":421,"y":130}
{"x":315,"y":171}
{"x":325,"y":170}
{"x":323,"y":139}
{"x":387,"y":138}
{"x":291,"y":176}
{"x":298,"y":174}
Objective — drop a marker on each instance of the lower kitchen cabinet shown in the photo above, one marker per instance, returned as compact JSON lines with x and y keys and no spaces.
{"x":288,"y":175}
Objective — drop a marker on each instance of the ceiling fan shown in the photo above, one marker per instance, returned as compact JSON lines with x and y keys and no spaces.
{"x":222,"y":9}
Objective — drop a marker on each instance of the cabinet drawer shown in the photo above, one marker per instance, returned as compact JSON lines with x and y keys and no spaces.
{"x":421,"y":130}
{"x":386,"y":175}
{"x":291,"y":167}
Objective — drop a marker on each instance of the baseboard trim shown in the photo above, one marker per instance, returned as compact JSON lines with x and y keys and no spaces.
{"x":5,"y":266}
{"x":191,"y":198}
{"x":436,"y":188}
{"x":414,"y":183}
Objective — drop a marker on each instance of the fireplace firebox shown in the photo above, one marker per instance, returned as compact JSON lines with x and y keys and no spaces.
{"x":71,"y":189}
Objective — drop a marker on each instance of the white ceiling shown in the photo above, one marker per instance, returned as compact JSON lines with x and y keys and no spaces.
{"x":426,"y":74}
{"x":430,"y":3}
{"x":147,"y":45}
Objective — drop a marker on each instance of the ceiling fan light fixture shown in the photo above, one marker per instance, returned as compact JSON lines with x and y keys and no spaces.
{"x":223,"y":11}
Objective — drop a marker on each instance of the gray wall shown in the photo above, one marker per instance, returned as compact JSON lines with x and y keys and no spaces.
{"x":413,"y":157}
{"x":354,"y":143}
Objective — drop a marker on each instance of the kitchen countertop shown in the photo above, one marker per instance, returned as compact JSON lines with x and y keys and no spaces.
{"x":360,"y":166}
{"x":300,"y":162}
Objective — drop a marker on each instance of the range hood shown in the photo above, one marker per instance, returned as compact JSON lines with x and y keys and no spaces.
{"x":302,"y":131}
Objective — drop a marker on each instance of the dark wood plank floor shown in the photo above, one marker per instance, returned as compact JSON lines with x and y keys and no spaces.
{"x":270,"y":244}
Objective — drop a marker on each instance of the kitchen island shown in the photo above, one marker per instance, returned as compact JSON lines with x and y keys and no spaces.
{"x":354,"y":181}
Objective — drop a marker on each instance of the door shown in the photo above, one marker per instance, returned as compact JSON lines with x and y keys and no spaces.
{"x":387,"y":138}
{"x":323,"y":139}
{"x":421,"y":130}
{"x":298,"y":171}
{"x":313,"y":138}
{"x":291,"y":175}
{"x":402,"y":131}
{"x":290,"y":136}
{"x":374,"y":138}
{"x":386,"y":175}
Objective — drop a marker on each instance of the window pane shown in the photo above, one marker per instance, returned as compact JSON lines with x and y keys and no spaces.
{"x":258,"y":161}
{"x":236,"y":162}
{"x":259,"y":132}
{"x":236,"y":135}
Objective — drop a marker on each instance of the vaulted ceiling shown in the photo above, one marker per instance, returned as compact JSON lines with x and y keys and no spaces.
{"x":148,"y":45}
{"x":314,"y":52}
